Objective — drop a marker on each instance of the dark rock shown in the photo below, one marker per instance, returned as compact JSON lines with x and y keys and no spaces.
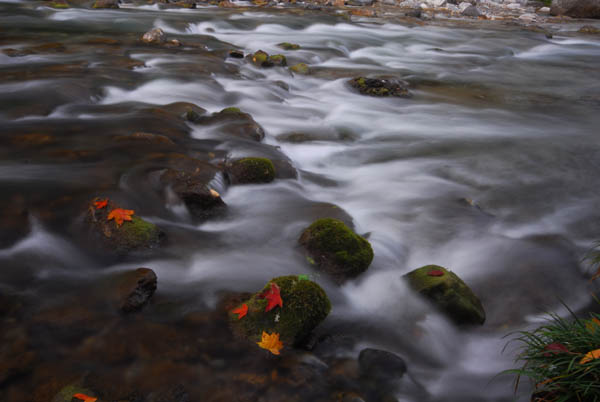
{"x":471,"y":11}
{"x":448,"y":293}
{"x":134,"y":289}
{"x":576,"y":8}
{"x":236,"y":54}
{"x":155,"y":36}
{"x":233,"y":121}
{"x":147,"y":138}
{"x":380,"y":365}
{"x":305,"y":306}
{"x":416,"y":12}
{"x":336,"y":249}
{"x":250,"y":170}
{"x":106,"y":4}
{"x":380,"y":87}
{"x":359,"y":2}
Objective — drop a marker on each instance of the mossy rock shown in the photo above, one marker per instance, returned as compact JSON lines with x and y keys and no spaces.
{"x":231,"y":110}
{"x":300,"y":68}
{"x":305,"y":305}
{"x":336,"y":249}
{"x":448,"y":293}
{"x":380,"y":87}
{"x":277,"y":60}
{"x":251,"y":170}
{"x":288,"y":46}
{"x":66,"y":394}
{"x":131,"y":235}
{"x":260,"y":58}
{"x":59,"y":4}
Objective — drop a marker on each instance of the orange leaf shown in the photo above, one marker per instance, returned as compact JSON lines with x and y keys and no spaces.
{"x":589,"y":356}
{"x":592,"y":324}
{"x":120,"y":215}
{"x":241,"y":311}
{"x":271,"y":342}
{"x":273,"y":297}
{"x":85,"y":398}
{"x":101,"y":203}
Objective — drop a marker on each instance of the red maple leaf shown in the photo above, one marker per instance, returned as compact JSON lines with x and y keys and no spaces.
{"x":85,"y":398}
{"x":120,"y":215}
{"x":553,"y":348}
{"x":436,"y":272}
{"x":273,"y":297}
{"x":101,"y":203}
{"x":241,"y":311}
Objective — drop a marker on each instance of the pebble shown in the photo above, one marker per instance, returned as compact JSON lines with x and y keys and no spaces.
{"x":544,"y":10}
{"x":528,"y":17}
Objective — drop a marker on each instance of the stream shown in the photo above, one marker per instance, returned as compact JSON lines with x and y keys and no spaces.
{"x":490,"y":169}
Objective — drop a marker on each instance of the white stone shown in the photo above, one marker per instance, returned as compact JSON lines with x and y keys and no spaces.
{"x":544,"y":10}
{"x":423,"y":5}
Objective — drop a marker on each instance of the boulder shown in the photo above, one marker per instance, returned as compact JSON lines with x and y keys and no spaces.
{"x":233,"y":121}
{"x":380,"y":87}
{"x":380,"y":365}
{"x":471,"y":11}
{"x":335,"y":249}
{"x":250,"y":171}
{"x":447,"y":292}
{"x":134,"y":289}
{"x":155,"y":36}
{"x":304,"y":306}
{"x":576,"y":8}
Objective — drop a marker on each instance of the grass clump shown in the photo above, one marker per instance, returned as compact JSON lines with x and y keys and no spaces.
{"x":562,"y":359}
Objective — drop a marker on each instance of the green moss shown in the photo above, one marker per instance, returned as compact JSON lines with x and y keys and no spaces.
{"x":278,"y":60}
{"x":137,"y":233}
{"x":449,"y":293}
{"x":260,"y":57}
{"x":253,"y":170}
{"x":288,"y":46}
{"x":305,"y":305}
{"x":300,"y":68}
{"x":59,"y":4}
{"x":231,"y":110}
{"x":336,"y":248}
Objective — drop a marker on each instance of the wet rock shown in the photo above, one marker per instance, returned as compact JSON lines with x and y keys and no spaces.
{"x":155,"y":36}
{"x":134,"y":289}
{"x":58,"y":4}
{"x":136,"y":234}
{"x":448,"y":293}
{"x":106,"y":4}
{"x":305,"y":305}
{"x":288,"y":46}
{"x":300,"y":68}
{"x":250,"y":171}
{"x":14,"y":220}
{"x":236,"y":54}
{"x":380,"y":365}
{"x":471,"y":11}
{"x":336,"y":249}
{"x":359,"y":3}
{"x":380,"y":87}
{"x":260,"y":58}
{"x":16,"y":357}
{"x":589,"y":29}
{"x":233,"y":121}
{"x":576,"y":8}
{"x":194,"y":188}
{"x":277,"y":60}
{"x":148,"y":138}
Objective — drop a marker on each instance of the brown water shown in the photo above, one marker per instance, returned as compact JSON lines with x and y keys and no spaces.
{"x":503,"y":117}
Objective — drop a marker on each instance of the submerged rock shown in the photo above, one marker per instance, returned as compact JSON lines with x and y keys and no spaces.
{"x":251,"y":170}
{"x":155,"y":36}
{"x":576,"y":8}
{"x":233,"y":121}
{"x":106,"y":4}
{"x":134,"y":289}
{"x":447,"y":292}
{"x":380,"y":365}
{"x":130,"y":235}
{"x":288,"y":46}
{"x":336,"y":249}
{"x":589,"y":29}
{"x":380,"y":87}
{"x":305,"y":305}
{"x":300,"y":68}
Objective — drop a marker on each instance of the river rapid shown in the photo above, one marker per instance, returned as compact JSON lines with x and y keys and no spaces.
{"x":490,"y":169}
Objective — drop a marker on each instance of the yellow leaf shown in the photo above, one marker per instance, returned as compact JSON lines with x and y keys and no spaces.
{"x":271,"y":342}
{"x":589,"y":356}
{"x":214,"y":193}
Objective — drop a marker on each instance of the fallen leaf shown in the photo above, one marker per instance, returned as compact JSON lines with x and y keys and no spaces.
{"x":273,"y":297}
{"x":101,"y":203}
{"x":271,"y":342}
{"x":214,"y":193}
{"x":120,"y":215}
{"x":85,"y":397}
{"x":592,"y":325}
{"x":241,"y":311}
{"x":553,"y":348}
{"x":435,"y":272}
{"x":589,"y":356}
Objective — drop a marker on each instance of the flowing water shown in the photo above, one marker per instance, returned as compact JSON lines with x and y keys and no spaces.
{"x":490,"y":169}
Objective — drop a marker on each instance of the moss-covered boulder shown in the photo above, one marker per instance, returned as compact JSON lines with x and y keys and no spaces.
{"x":260,"y":58}
{"x":300,"y":68}
{"x":304,"y":306}
{"x":448,"y":293}
{"x":136,"y":234}
{"x":251,"y":170}
{"x":278,"y":60}
{"x":288,"y":46}
{"x":335,"y":249}
{"x":381,"y":87}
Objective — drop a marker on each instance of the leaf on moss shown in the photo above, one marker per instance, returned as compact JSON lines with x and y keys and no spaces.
{"x":273,"y":297}
{"x":589,"y":356}
{"x":101,"y":203}
{"x":85,"y":398}
{"x":120,"y":215}
{"x":553,"y":348}
{"x":435,"y":272}
{"x":241,"y":311}
{"x":271,"y":342}
{"x":592,"y":325}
